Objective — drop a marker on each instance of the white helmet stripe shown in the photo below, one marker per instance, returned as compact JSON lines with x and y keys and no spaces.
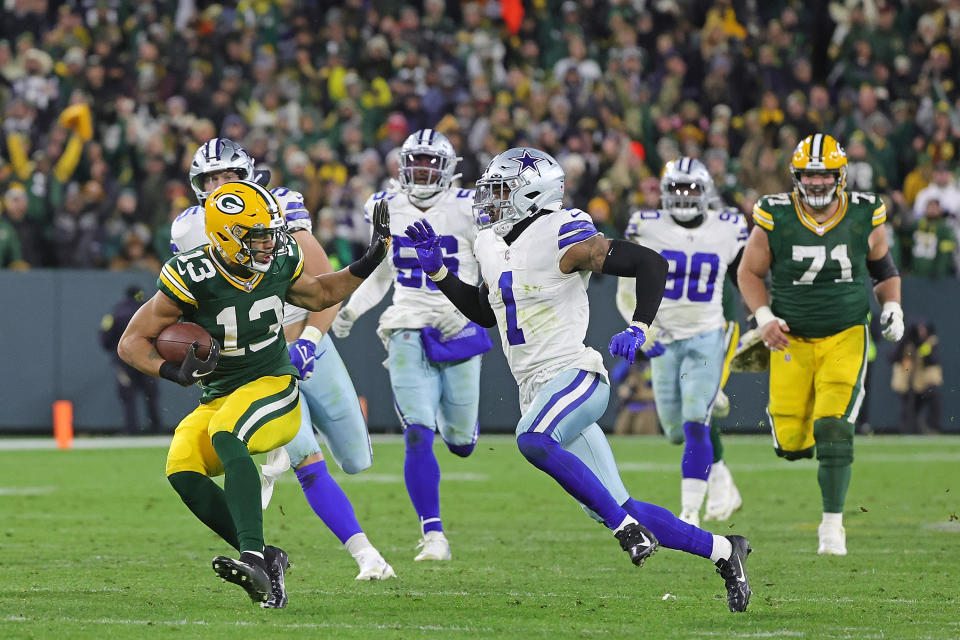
{"x":816,"y":147}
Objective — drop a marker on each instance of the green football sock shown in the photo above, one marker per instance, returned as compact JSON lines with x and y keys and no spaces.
{"x":206,"y":500}
{"x":716,"y":442}
{"x":833,"y":486}
{"x":834,"y":438}
{"x":241,"y":484}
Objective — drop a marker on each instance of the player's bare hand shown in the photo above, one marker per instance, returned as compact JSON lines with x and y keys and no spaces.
{"x":774,"y":335}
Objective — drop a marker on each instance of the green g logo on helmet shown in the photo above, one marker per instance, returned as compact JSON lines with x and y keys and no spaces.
{"x":230,"y":203}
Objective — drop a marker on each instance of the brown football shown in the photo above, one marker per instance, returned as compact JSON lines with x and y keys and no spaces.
{"x":174,"y":341}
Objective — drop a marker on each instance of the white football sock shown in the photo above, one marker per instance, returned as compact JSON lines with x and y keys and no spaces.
{"x":721,"y":549}
{"x":833,"y":519}
{"x":692,"y":492}
{"x":357,"y":543}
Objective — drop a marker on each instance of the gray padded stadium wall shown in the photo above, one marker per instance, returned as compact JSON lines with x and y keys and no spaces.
{"x":50,"y":350}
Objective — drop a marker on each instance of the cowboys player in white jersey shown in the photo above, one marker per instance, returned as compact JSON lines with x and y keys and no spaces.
{"x":433,"y":351}
{"x":329,"y":398}
{"x":535,"y":261}
{"x":686,"y":341}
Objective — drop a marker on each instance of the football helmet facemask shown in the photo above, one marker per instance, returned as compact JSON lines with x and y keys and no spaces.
{"x":686,"y":188}
{"x":218,"y":154}
{"x":819,"y":154}
{"x":517,"y":183}
{"x":427,"y":163}
{"x":245,"y":225}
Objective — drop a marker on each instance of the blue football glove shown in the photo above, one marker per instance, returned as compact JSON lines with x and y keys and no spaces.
{"x":655,"y":348}
{"x":626,"y":343}
{"x":427,"y":243}
{"x":303,"y":354}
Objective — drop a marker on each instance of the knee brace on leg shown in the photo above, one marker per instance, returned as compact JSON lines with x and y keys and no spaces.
{"x":418,"y":438}
{"x":834,"y":437}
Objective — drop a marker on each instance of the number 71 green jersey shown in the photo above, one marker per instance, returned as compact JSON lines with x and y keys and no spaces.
{"x":244,"y":314}
{"x":819,"y":269}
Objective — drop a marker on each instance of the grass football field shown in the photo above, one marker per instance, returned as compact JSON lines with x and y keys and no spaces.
{"x":95,"y":544}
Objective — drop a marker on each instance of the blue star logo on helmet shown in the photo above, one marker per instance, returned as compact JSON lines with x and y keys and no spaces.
{"x":527,"y":161}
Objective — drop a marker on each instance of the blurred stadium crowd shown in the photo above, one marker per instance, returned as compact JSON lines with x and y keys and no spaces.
{"x":104,"y":102}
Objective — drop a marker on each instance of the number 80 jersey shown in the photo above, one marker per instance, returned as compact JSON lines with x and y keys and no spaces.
{"x":698,"y":258}
{"x":244,"y":315}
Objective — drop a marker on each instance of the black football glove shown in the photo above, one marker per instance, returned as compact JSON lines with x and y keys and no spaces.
{"x":192,"y":369}
{"x":379,"y":243}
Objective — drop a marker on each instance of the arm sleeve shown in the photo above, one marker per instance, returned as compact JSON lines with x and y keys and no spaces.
{"x":372,"y":290}
{"x":470,"y":300}
{"x":732,"y":269}
{"x":647,"y":266}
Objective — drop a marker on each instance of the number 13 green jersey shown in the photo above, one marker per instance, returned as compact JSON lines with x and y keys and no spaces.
{"x":819,"y":269}
{"x":244,"y":314}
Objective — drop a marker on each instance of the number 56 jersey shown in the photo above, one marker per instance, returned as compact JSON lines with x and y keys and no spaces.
{"x":698,"y":258}
{"x":417,"y":302}
{"x":244,"y":315}
{"x":542,"y":313}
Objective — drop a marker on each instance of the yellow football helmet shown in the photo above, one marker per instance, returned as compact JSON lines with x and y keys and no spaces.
{"x":239,"y":214}
{"x":819,"y":154}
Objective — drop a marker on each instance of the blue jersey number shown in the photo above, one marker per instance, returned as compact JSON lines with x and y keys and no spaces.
{"x":700,"y":271}
{"x":514,"y":333}
{"x":409,"y":273}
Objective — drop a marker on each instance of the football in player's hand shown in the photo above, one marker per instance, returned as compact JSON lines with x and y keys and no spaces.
{"x":174,"y":342}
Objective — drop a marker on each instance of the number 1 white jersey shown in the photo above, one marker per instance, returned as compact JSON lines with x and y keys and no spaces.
{"x":698,"y":259}
{"x":417,"y":302}
{"x":542,"y":313}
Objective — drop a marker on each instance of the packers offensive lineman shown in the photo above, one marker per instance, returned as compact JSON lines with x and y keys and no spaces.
{"x":535,"y":260}
{"x":686,"y":342}
{"x":330,"y":400}
{"x":234,"y":288}
{"x":819,"y":243}
{"x":433,"y":352}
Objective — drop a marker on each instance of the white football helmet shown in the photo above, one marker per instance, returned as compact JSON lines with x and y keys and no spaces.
{"x":427,"y":163}
{"x":218,"y":154}
{"x":516,"y":184}
{"x":686,"y":188}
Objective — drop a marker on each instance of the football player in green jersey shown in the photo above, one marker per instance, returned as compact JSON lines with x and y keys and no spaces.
{"x":819,"y":243}
{"x":234,"y":288}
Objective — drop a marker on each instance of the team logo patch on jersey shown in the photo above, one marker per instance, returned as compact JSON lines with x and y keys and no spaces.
{"x":230,"y":203}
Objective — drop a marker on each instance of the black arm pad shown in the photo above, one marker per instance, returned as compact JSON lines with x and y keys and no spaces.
{"x":647,"y":266}
{"x":470,"y":300}
{"x":882,"y":269}
{"x":732,"y":269}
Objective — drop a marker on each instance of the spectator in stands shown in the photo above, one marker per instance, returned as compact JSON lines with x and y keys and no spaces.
{"x":933,"y":244}
{"x":918,"y":379}
{"x":943,"y":187}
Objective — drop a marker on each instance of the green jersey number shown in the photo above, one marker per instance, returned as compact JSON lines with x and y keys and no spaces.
{"x":228,"y":320}
{"x":817,"y":254}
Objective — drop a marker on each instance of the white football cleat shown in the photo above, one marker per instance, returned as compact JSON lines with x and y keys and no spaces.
{"x":833,"y":540}
{"x":690,"y":517}
{"x":723,"y":498}
{"x":433,"y":546}
{"x":373,"y":566}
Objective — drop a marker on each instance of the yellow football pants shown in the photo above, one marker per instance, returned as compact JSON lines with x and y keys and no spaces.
{"x":264,"y":414}
{"x":816,"y":378}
